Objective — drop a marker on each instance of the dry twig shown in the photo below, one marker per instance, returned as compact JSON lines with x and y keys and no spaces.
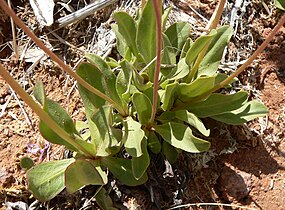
{"x":84,"y":12}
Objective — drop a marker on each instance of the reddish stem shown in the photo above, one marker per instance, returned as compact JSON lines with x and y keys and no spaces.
{"x":56,"y":59}
{"x":157,"y":8}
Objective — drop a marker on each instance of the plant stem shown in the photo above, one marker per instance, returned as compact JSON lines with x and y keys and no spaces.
{"x":254,"y":55}
{"x":197,"y":63}
{"x":42,"y":114}
{"x":213,"y":23}
{"x":56,"y":59}
{"x":157,"y":8}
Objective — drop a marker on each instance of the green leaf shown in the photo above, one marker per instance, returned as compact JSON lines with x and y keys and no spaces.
{"x":92,"y":75}
{"x":127,"y":28}
{"x":211,"y":61}
{"x":178,"y":72}
{"x":153,"y":143}
{"x":103,"y":200}
{"x":169,"y":53}
{"x":26,"y":163}
{"x":47,"y":179}
{"x":170,"y":152}
{"x":134,"y":136}
{"x":182,"y":70}
{"x":122,"y":170}
{"x":107,"y":140}
{"x":108,"y":79}
{"x":168,"y":98}
{"x":143,"y":107}
{"x":92,"y":102}
{"x":280,"y":4}
{"x":82,"y":128}
{"x":192,"y":120}
{"x":181,"y":137}
{"x":140,"y":164}
{"x":58,"y":114}
{"x":149,"y":93}
{"x":112,"y":62}
{"x":39,"y":92}
{"x":121,"y":44}
{"x":137,"y":79}
{"x":218,"y":104}
{"x":165,"y":17}
{"x":124,"y":82}
{"x":186,"y":92}
{"x":84,"y":172}
{"x":221,"y":77}
{"x":166,"y":117}
{"x":198,"y":46}
{"x":177,"y":34}
{"x":247,"y":112}
{"x":185,"y":48}
{"x":146,"y":36}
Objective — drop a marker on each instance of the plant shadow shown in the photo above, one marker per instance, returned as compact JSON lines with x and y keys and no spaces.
{"x":240,"y":170}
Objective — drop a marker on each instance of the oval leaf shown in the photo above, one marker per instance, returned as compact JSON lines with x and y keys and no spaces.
{"x":211,"y":61}
{"x":192,"y":120}
{"x":168,"y":98}
{"x":198,"y":46}
{"x":140,"y":164}
{"x":170,"y":152}
{"x":146,"y":36}
{"x":82,"y":173}
{"x":47,"y":179}
{"x":127,"y":27}
{"x":181,"y":137}
{"x":178,"y":34}
{"x":108,"y":79}
{"x":122,"y":169}
{"x":218,"y":104}
{"x":143,"y":107}
{"x":153,"y":143}
{"x":107,"y":138}
{"x":280,"y":4}
{"x":92,"y":102}
{"x":134,"y":136}
{"x":121,"y":44}
{"x":186,"y":92}
{"x":247,"y":112}
{"x":104,"y":200}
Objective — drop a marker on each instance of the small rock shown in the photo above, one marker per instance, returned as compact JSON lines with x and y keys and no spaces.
{"x":3,"y":175}
{"x":16,"y":205}
{"x":234,"y":184}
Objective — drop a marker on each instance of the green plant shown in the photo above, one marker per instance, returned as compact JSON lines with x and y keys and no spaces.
{"x":280,"y":4}
{"x":152,"y":100}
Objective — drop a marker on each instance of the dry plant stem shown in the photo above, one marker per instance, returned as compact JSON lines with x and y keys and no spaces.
{"x":22,"y":108}
{"x":84,"y":12}
{"x":157,"y":7}
{"x":42,"y":114}
{"x":56,"y":59}
{"x":14,"y":35}
{"x":254,"y":55}
{"x":213,"y":23}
